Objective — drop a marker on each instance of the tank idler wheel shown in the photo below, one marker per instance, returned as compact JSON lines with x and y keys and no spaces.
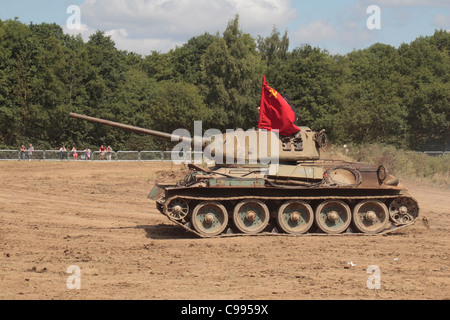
{"x":177,"y":209}
{"x":370,"y":217}
{"x":333,"y":216}
{"x":209,"y":218}
{"x":251,"y":216}
{"x":295,"y":217}
{"x":403,"y":211}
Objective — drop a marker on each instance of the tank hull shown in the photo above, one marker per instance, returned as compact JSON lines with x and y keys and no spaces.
{"x":215,"y":203}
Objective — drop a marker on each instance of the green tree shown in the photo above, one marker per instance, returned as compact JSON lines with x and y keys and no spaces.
{"x":232,"y":75}
{"x":158,"y":66}
{"x":133,"y":105}
{"x":187,"y":59}
{"x":426,"y":66}
{"x":106,"y":64}
{"x":19,"y":111}
{"x":177,"y":105}
{"x":274,"y":51}
{"x":373,"y":109}
{"x":312,"y":80}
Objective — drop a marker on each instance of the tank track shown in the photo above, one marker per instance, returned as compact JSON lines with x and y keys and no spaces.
{"x":274,"y":230}
{"x":274,"y":233}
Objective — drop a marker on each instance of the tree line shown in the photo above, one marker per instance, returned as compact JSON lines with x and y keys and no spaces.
{"x":396,"y":96}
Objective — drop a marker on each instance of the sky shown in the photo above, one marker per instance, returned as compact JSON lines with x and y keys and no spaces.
{"x":143,"y":26}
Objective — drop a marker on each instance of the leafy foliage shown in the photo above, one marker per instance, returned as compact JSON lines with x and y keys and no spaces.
{"x":396,"y":96}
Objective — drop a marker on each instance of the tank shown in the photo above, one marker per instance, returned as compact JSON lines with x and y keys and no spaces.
{"x":245,"y":192}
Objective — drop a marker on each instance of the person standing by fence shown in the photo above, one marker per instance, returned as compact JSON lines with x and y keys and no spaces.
{"x":30,"y":152}
{"x":108,"y":153}
{"x":74,"y":153}
{"x":102,"y":152}
{"x":63,"y":152}
{"x":22,"y":152}
{"x":87,"y":154}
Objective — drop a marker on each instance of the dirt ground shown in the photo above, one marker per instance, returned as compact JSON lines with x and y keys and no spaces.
{"x":96,"y":216}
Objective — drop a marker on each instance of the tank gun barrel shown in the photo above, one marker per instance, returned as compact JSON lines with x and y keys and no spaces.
{"x":149,"y":132}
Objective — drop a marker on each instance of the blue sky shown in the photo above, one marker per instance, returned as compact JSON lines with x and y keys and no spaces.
{"x":145,"y":25}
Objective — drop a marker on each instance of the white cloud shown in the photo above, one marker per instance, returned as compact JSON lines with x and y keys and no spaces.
{"x":314,"y":32}
{"x":124,"y":42}
{"x":441,"y":21}
{"x":337,"y":37}
{"x":347,"y":30}
{"x":145,"y":25}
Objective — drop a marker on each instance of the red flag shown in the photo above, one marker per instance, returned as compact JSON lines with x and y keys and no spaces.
{"x":275,"y":113}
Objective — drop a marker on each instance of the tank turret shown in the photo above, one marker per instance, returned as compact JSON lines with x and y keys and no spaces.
{"x":264,"y":183}
{"x":251,"y":146}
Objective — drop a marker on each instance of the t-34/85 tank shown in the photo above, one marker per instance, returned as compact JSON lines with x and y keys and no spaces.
{"x":279,"y":185}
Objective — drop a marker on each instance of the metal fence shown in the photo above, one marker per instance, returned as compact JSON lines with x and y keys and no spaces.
{"x":165,"y":156}
{"x":56,"y":155}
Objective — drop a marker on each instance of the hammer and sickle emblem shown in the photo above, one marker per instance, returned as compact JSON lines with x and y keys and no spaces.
{"x":273,"y":93}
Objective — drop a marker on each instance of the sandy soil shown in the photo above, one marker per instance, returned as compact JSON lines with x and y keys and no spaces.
{"x":96,"y":216}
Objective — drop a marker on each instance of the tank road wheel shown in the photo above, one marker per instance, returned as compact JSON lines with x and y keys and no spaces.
{"x":177,"y":209}
{"x":209,"y":218}
{"x":403,"y":211}
{"x":333,"y":216}
{"x":251,"y":216}
{"x":370,"y":217}
{"x":295,"y":217}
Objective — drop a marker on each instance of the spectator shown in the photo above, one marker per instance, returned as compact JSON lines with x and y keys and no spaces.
{"x":63,"y":152}
{"x":74,"y":153}
{"x":102,"y":152}
{"x":22,"y":152}
{"x":30,"y":152}
{"x":87,"y":153}
{"x":108,"y":153}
